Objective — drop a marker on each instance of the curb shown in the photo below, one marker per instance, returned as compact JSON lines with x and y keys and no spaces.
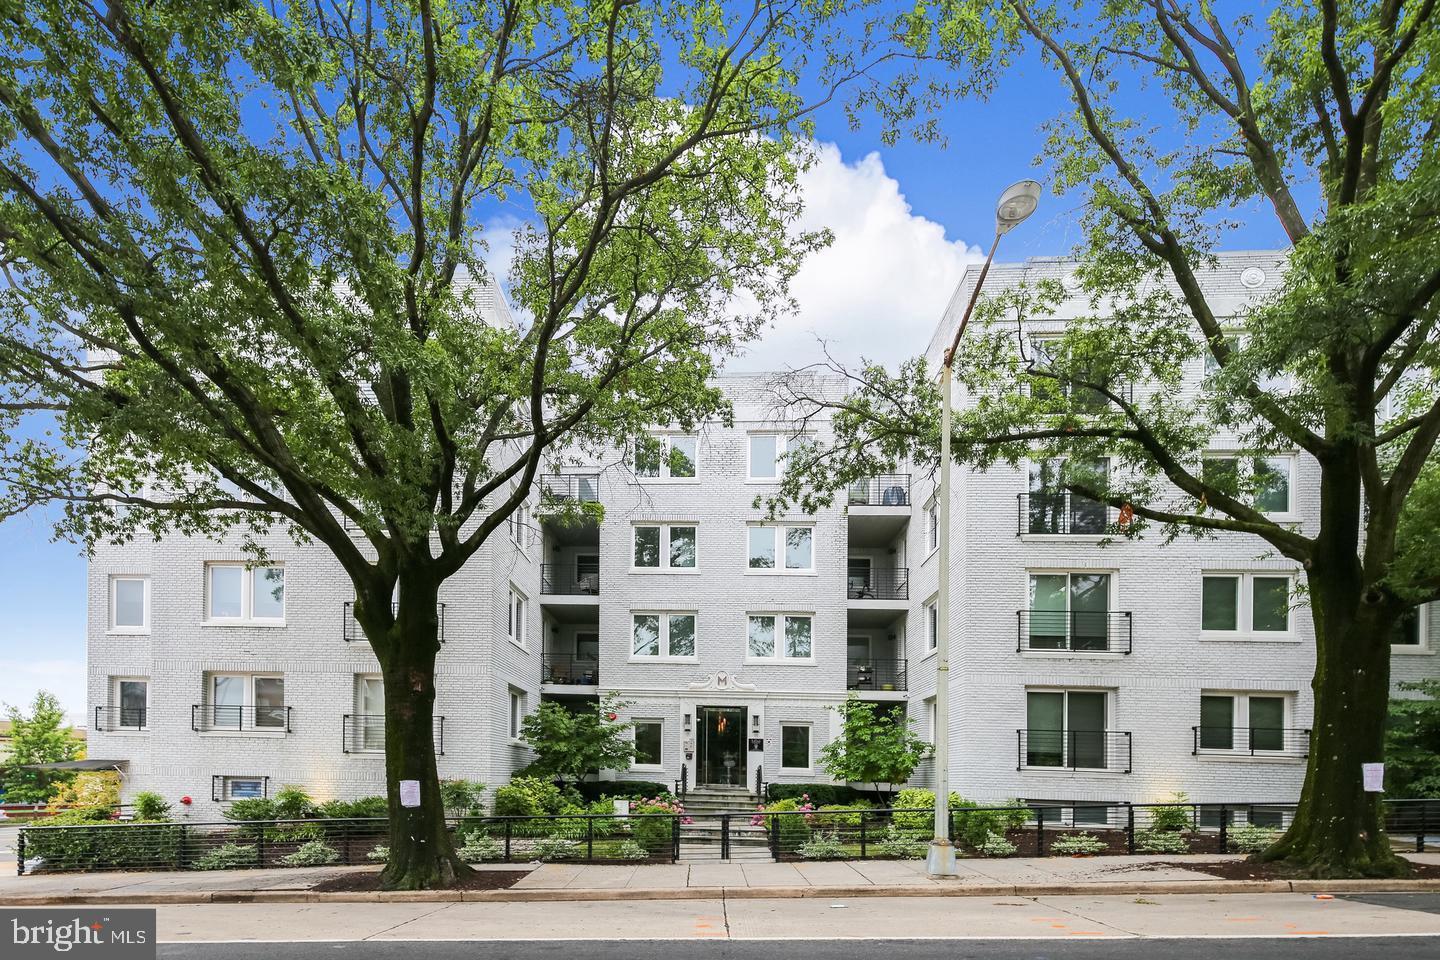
{"x":561,"y":895}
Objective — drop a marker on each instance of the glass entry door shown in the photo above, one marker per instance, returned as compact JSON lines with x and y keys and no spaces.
{"x":720,"y":751}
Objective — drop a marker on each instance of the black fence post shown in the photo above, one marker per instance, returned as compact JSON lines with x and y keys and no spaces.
{"x":1224,"y":828}
{"x":260,"y":847}
{"x":775,"y":837}
{"x":20,"y":852}
{"x":1419,"y":834}
{"x":724,"y":836}
{"x":508,"y":831}
{"x":590,"y":838}
{"x":862,"y":836}
{"x":674,"y":839}
{"x":1039,"y":831}
{"x":1130,"y":828}
{"x":345,"y":842}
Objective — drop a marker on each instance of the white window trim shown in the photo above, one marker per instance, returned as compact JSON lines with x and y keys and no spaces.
{"x":1025,"y":466}
{"x":933,"y":504}
{"x":665,"y":436}
{"x":226,"y":782}
{"x":664,"y":656}
{"x":649,"y":767}
{"x":357,"y":710}
{"x":1243,"y":463}
{"x":247,"y":703}
{"x":1244,"y":628}
{"x":1240,"y":727}
{"x":809,"y":746}
{"x":664,"y":566}
{"x":517,"y":629}
{"x":783,"y":438}
{"x":780,"y":569}
{"x":144,"y":628}
{"x":518,"y":524}
{"x":1422,"y":627}
{"x":1110,"y":722}
{"x":927,"y":650}
{"x":779,"y":657}
{"x":515,"y":716}
{"x":114,"y":694}
{"x":247,"y":616}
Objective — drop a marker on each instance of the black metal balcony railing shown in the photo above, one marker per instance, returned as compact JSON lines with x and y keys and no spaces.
{"x":579,"y":487}
{"x":1075,"y":749}
{"x":877,"y":674}
{"x":353,"y":632}
{"x":1061,"y":513}
{"x":569,"y":670}
{"x":1255,"y":742}
{"x":365,"y":733}
{"x":867,"y":583}
{"x":205,"y":717}
{"x":120,"y":718}
{"x":883,"y":490}
{"x":570,"y":579}
{"x":1077,"y":631}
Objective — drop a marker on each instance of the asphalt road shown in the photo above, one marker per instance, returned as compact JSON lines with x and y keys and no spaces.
{"x":1209,"y":948}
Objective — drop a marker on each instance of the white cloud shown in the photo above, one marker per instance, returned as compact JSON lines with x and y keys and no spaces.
{"x":881,"y":286}
{"x":20,"y":680}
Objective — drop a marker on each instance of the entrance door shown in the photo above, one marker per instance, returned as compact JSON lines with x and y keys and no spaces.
{"x":720,"y":752}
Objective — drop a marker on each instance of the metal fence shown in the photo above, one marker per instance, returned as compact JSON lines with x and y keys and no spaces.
{"x":1075,"y":631}
{"x":1058,"y":512}
{"x":354,"y":633}
{"x":365,"y":733}
{"x":877,"y":583}
{"x":876,"y":674}
{"x":882,"y":490}
{"x":570,"y":670}
{"x":570,"y":579}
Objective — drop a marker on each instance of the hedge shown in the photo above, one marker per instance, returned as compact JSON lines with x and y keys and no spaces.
{"x":821,"y":794}
{"x":593,"y":790}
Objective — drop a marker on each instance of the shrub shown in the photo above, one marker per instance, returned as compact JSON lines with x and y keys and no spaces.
{"x":593,"y":790}
{"x":379,"y":854}
{"x":556,"y":848}
{"x":630,"y":850}
{"x":823,"y":846}
{"x":793,"y":830}
{"x":478,"y":847}
{"x":1173,"y":816}
{"x":1081,"y":843}
{"x":148,"y":805}
{"x":827,"y":794}
{"x":902,"y":845}
{"x":251,"y":808}
{"x":847,"y":815}
{"x":103,"y":846}
{"x":919,"y":805}
{"x":316,"y":853}
{"x":461,"y":797}
{"x":654,"y":833}
{"x":229,"y":856}
{"x":1248,"y":838}
{"x":361,"y":809}
{"x":528,"y":797}
{"x":293,"y":803}
{"x":1161,"y":841}
{"x":995,"y":845}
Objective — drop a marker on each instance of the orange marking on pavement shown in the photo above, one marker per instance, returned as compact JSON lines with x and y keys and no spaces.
{"x":1087,"y":933}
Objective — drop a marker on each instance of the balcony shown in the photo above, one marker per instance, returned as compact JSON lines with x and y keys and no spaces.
{"x":872,"y":674}
{"x":867,"y":583}
{"x":570,"y":579}
{"x":569,"y":670}
{"x":1104,"y":751}
{"x":110,"y":719}
{"x":350,"y":627}
{"x":1074,"y":631}
{"x":365,"y":733}
{"x":1061,"y":513}
{"x":1260,"y":742}
{"x":570,"y":487}
{"x":883,"y":490}
{"x":208,"y":717}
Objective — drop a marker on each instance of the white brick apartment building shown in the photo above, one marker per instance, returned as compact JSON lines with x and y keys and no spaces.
{"x":1081,"y":671}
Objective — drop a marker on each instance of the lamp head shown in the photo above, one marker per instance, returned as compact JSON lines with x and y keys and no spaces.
{"x":1017,"y":202}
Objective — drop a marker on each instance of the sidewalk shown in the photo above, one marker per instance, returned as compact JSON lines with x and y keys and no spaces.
{"x":1046,"y":876}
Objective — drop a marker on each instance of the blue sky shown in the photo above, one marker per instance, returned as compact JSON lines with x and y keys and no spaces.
{"x":907,"y":218}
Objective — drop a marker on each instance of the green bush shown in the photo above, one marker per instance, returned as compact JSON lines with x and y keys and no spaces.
{"x":148,"y":805}
{"x":555,"y":848}
{"x":593,"y":790}
{"x":229,"y":856}
{"x":846,"y":815}
{"x":1173,"y":816}
{"x":293,"y":803}
{"x":378,"y":854}
{"x":821,"y":794}
{"x":1161,"y":841}
{"x":630,"y":850}
{"x":478,"y":848}
{"x":823,"y":846}
{"x":362,"y":809}
{"x":1248,"y":838}
{"x":1078,"y":843}
{"x":654,"y":833}
{"x":903,"y":846}
{"x":995,"y":845}
{"x":793,"y":830}
{"x":93,"y":842}
{"x":251,"y":808}
{"x":461,"y":797}
{"x":316,"y":853}
{"x":528,"y":797}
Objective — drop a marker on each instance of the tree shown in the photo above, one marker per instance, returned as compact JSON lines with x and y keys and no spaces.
{"x":570,"y":744}
{"x":247,"y":276}
{"x":42,"y":737}
{"x":1412,"y":742}
{"x":1322,"y":116}
{"x":872,"y":748}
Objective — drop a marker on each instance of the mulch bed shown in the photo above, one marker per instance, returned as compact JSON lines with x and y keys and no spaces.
{"x":370,"y":881}
{"x":1245,"y":870}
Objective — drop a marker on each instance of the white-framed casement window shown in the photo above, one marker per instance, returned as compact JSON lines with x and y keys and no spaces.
{"x":932,"y":719}
{"x":517,"y":714}
{"x":932,"y":526}
{"x":245,"y":701}
{"x":1412,"y":632}
{"x":1266,"y":483}
{"x":649,"y":744}
{"x":243,"y":788}
{"x":662,"y":635}
{"x":782,"y":548}
{"x":1256,"y":724}
{"x":517,"y":619}
{"x":795,"y":754}
{"x":129,"y":604}
{"x":667,"y":456}
{"x":1068,"y":728}
{"x":368,"y":728}
{"x":664,"y":546}
{"x":236,"y":593}
{"x":778,"y":637}
{"x":130,"y":699}
{"x":1253,"y":605}
{"x":930,"y":614}
{"x":766,"y":454}
{"x":1068,"y":611}
{"x":519,"y":525}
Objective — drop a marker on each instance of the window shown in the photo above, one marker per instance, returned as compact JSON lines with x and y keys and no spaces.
{"x":246,"y":701}
{"x":369,"y":717}
{"x":242,"y":788}
{"x":1051,"y":509}
{"x":768,"y":452}
{"x":663,"y":635}
{"x":1248,"y":722}
{"x":665,"y":546}
{"x":932,"y":526}
{"x":517,"y":712}
{"x":793,"y":546}
{"x":932,"y":625}
{"x":779,"y":637}
{"x":1065,"y":728}
{"x":1245,"y":603}
{"x":1409,"y":633}
{"x":236,"y":592}
{"x":794,"y":746}
{"x":517,"y":618}
{"x":649,"y":743}
{"x":131,"y":699}
{"x":130,"y":604}
{"x":1263,"y":482}
{"x":518,"y":524}
{"x":667,"y":456}
{"x":1069,"y":611}
{"x":932,"y":720}
{"x":1065,"y":392}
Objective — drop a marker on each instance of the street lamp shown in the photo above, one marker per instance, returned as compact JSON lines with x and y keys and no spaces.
{"x":1017,"y":202}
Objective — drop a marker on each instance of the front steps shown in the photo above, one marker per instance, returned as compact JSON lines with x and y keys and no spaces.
{"x":701,"y":841}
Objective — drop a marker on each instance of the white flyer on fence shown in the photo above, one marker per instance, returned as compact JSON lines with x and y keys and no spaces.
{"x":1374,"y":774}
{"x":409,"y":793}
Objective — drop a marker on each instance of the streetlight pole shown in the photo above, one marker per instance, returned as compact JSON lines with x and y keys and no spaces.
{"x":1016,"y":203}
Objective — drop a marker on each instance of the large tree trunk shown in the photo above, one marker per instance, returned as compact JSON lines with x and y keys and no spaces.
{"x":422,"y":855}
{"x":1339,"y":829}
